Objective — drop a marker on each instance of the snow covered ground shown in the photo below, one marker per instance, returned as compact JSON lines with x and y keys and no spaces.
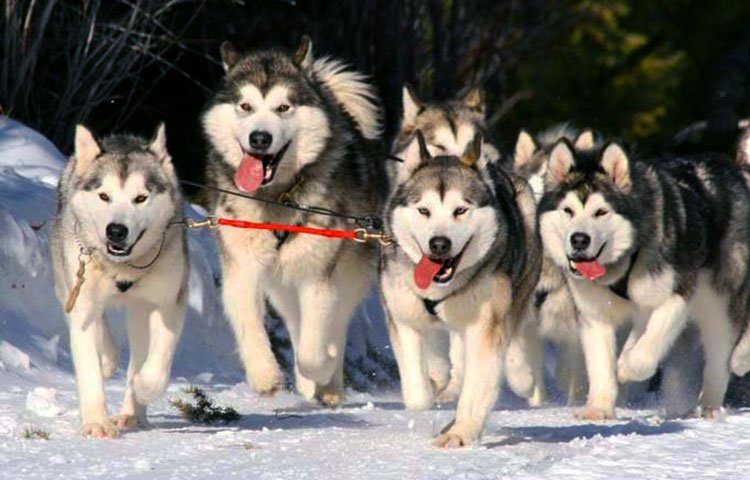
{"x":371,"y":436}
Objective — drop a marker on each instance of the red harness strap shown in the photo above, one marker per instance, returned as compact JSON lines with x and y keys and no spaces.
{"x":323,"y":232}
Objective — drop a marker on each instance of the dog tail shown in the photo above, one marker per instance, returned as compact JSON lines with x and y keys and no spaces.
{"x":355,"y":94}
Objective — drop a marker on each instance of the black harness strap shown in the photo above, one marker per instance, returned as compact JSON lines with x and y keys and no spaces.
{"x":620,"y":287}
{"x":430,"y":305}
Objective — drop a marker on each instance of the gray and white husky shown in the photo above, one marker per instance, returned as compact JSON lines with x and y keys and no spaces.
{"x":466,"y":255}
{"x":297,"y":129}
{"x":115,"y":242}
{"x":654,"y":242}
{"x":448,"y":127}
{"x":553,"y":304}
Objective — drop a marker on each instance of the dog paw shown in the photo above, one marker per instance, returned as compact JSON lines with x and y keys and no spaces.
{"x":126,"y":421}
{"x":105,"y":429}
{"x":455,"y":437}
{"x":740,"y":364}
{"x":634,"y":366}
{"x":268,"y":382}
{"x":710,"y":413}
{"x":418,"y":402}
{"x":329,"y":397}
{"x":449,"y":394}
{"x":595,"y":413}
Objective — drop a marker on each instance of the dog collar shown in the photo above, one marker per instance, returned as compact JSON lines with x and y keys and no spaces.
{"x":620,"y":287}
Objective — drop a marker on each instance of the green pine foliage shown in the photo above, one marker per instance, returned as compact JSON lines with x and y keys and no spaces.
{"x":203,"y":410}
{"x":35,"y":433}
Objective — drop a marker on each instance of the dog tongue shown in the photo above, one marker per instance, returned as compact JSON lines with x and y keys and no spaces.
{"x":591,"y":270}
{"x":425,"y":271}
{"x":250,"y":173}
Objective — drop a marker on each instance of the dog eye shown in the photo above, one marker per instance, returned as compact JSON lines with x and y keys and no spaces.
{"x":104,"y":197}
{"x":568,"y":211}
{"x":283,"y":108}
{"x":460,"y":211}
{"x":246,"y":107}
{"x":440,"y":147}
{"x":600,"y":213}
{"x":423,"y":211}
{"x":140,"y":199}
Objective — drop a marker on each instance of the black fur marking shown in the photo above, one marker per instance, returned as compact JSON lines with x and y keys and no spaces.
{"x":430,"y":305}
{"x":539,"y":297}
{"x":123,"y":285}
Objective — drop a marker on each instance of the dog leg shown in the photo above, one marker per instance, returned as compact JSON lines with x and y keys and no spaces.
{"x":284,"y":300}
{"x":571,"y":370}
{"x":326,"y":307}
{"x":524,"y":367}
{"x":165,"y":327}
{"x":415,"y":382}
{"x":243,"y":302}
{"x":456,"y":352}
{"x":133,"y":413}
{"x":665,"y":324}
{"x":740,"y":360}
{"x":598,"y":343}
{"x":484,"y":366}
{"x":84,"y":322}
{"x":719,"y":335}
{"x":438,"y":367}
{"x":332,"y":395}
{"x":107,"y":347}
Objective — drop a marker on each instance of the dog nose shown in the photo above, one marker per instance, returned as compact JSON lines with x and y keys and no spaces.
{"x":440,"y":246}
{"x":117,"y":232}
{"x":260,"y":140}
{"x":580,"y":241}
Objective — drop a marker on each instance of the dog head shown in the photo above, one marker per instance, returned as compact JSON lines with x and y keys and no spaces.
{"x":267,"y":121}
{"x":588,"y":214}
{"x":124,"y":192}
{"x":448,"y":129}
{"x":443,"y":216}
{"x":532,"y":153}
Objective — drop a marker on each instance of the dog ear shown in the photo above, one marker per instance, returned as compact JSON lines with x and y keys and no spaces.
{"x":412,"y":105}
{"x":473,"y":151}
{"x":229,"y":55}
{"x":585,"y":140}
{"x":424,"y":153}
{"x":743,"y":149}
{"x":525,"y":149}
{"x":561,"y":161}
{"x":303,"y":57}
{"x":159,"y":143}
{"x":86,"y":149}
{"x":474,"y":99}
{"x":616,"y":164}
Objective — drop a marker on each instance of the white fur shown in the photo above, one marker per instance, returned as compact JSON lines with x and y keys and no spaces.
{"x":414,"y":230}
{"x":86,"y":148}
{"x":355,"y":94}
{"x":154,"y":307}
{"x":229,"y":128}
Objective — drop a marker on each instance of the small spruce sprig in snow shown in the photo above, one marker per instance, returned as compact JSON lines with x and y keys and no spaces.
{"x":204,"y":411}
{"x":35,"y":433}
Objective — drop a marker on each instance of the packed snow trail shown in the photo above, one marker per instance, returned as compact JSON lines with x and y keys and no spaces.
{"x":370,"y":437}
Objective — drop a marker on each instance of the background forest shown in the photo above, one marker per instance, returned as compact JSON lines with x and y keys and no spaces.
{"x":641,"y":71}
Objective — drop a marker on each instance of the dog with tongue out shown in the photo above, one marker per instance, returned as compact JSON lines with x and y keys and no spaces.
{"x":302,"y":128}
{"x":651,"y":243}
{"x":466,"y":258}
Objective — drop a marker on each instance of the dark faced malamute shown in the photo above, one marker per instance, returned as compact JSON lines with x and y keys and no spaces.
{"x":466,"y":255}
{"x":656,"y":242}
{"x":299,"y":129}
